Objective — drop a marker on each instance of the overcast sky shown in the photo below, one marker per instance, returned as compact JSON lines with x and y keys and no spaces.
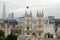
{"x":50,"y":7}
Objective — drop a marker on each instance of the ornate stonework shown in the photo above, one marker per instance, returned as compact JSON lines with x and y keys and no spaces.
{"x":38,"y":26}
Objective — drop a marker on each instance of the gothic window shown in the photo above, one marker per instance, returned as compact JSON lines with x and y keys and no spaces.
{"x":50,"y":35}
{"x":34,"y":34}
{"x":27,"y":28}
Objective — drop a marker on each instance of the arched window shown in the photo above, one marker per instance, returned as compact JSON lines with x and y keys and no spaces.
{"x":27,"y":28}
{"x":33,"y":34}
{"x":50,"y":35}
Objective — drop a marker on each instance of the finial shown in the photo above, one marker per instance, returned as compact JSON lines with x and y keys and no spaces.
{"x":25,"y":12}
{"x":30,"y":13}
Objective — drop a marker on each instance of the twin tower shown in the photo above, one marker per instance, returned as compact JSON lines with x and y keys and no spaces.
{"x":39,"y":13}
{"x":38,"y":24}
{"x":39,"y":19}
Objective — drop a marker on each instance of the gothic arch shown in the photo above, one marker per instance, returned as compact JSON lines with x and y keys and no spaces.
{"x":33,"y":34}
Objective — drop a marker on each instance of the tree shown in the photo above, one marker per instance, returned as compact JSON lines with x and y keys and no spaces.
{"x":56,"y":28}
{"x":11,"y":37}
{"x":2,"y":36}
{"x":1,"y":33}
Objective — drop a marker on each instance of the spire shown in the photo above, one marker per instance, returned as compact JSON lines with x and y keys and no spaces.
{"x":25,"y":12}
{"x":4,"y":11}
{"x":30,"y":13}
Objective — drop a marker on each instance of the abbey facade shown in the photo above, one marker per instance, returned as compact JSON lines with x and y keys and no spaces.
{"x":34,"y":27}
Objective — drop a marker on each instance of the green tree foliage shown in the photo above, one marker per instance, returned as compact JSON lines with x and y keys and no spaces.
{"x":1,"y":33}
{"x":11,"y":37}
{"x":56,"y":28}
{"x":2,"y":36}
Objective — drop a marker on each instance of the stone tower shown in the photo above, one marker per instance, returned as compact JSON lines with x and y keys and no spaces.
{"x":40,"y":19}
{"x":28,"y":22}
{"x":40,"y":23}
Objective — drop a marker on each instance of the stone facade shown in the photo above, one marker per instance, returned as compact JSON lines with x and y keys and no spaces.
{"x":37,"y":28}
{"x":31,"y":28}
{"x":6,"y":28}
{"x":34,"y":29}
